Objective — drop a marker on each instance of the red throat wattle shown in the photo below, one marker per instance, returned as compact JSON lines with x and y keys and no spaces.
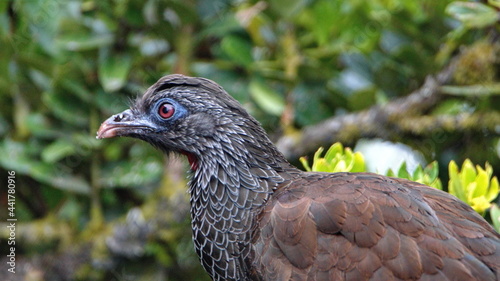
{"x":193,"y":161}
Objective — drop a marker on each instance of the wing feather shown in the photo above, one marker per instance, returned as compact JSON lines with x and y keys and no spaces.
{"x":363,"y":226}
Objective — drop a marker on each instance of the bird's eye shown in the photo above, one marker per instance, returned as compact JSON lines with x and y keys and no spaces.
{"x":166,"y":110}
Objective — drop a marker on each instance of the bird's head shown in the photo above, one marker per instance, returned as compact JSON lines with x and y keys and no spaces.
{"x":185,"y":115}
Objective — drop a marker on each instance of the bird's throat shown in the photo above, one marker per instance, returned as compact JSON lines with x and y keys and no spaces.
{"x":193,"y":160}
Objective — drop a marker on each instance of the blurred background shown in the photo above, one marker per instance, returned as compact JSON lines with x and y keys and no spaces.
{"x":395,"y":79}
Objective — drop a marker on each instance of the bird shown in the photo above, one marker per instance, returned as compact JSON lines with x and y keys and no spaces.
{"x":255,"y":216}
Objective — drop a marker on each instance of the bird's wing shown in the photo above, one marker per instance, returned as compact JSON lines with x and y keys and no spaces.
{"x":367,"y":227}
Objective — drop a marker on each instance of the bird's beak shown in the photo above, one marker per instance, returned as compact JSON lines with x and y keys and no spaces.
{"x":123,"y":124}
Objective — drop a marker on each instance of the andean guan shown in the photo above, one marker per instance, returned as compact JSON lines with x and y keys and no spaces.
{"x":256,"y":217}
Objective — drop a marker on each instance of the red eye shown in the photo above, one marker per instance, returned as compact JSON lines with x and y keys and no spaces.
{"x":166,"y":110}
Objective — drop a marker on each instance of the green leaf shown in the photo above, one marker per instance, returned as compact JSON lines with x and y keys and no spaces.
{"x":472,"y":14}
{"x":359,"y":163}
{"x":113,"y":71}
{"x":77,"y":88}
{"x":321,"y":165}
{"x":495,"y":3}
{"x":57,"y":150}
{"x":468,"y":173}
{"x":85,"y":142}
{"x":493,"y":190}
{"x":56,"y":177}
{"x":341,"y":166}
{"x":305,"y":163}
{"x":390,"y":173}
{"x":24,"y":163}
{"x":482,"y":182}
{"x":110,"y":102}
{"x":18,"y":159}
{"x":469,"y":191}
{"x":403,"y":172}
{"x":455,"y":185}
{"x":348,"y":158}
{"x":66,"y":107}
{"x":333,"y":151}
{"x":40,"y":126}
{"x":316,"y":158}
{"x":433,"y":169}
{"x":495,"y":216}
{"x":472,"y":185}
{"x":453,"y":170}
{"x":131,"y":174}
{"x":3,"y":6}
{"x":44,"y":18}
{"x":418,"y":174}
{"x":337,"y":159}
{"x":238,"y":50}
{"x":84,"y":42}
{"x":437,"y":184}
{"x":266,"y":98}
{"x":479,"y":204}
{"x":287,"y":8}
{"x":325,"y":16}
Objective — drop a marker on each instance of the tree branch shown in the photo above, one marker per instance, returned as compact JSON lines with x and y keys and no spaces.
{"x":403,"y":116}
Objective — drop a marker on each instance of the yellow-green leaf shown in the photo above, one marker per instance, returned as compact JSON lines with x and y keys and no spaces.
{"x":482,"y":182}
{"x":333,"y":151}
{"x":305,"y":163}
{"x":359,"y":163}
{"x":469,"y":190}
{"x":480,"y":204}
{"x":493,"y":190}
{"x":468,"y":173}
{"x":495,"y":216}
{"x":455,"y":184}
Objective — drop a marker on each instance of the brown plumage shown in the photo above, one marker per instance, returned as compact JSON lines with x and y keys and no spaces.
{"x":256,"y":217}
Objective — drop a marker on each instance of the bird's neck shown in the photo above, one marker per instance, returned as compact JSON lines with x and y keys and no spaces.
{"x":237,"y":171}
{"x":230,"y":183}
